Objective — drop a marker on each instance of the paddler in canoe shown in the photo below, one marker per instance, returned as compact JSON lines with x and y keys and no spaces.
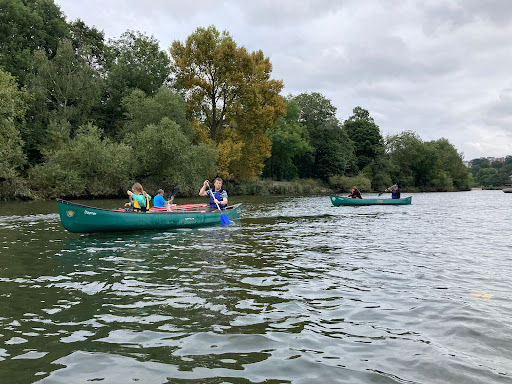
{"x":159,"y":200}
{"x":139,"y":199}
{"x":355,"y":194}
{"x":218,"y":197}
{"x":395,"y":191}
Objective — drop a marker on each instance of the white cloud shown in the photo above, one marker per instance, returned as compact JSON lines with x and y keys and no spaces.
{"x":440,"y":68}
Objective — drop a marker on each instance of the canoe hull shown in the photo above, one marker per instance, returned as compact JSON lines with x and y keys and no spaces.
{"x":339,"y":200}
{"x":78,"y":218}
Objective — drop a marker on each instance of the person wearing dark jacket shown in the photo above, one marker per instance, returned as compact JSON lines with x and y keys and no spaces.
{"x":355,"y":194}
{"x":395,"y":192}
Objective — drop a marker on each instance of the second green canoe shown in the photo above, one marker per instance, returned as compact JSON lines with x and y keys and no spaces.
{"x":339,"y":200}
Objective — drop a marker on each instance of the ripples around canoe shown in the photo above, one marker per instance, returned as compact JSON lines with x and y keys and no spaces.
{"x":296,"y":291}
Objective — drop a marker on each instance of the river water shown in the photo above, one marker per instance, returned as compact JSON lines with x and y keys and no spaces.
{"x":297,"y":291}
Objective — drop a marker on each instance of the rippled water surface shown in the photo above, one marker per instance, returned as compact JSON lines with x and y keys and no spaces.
{"x":297,"y":291}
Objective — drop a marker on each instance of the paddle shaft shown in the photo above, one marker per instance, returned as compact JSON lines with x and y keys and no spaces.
{"x":387,"y":189}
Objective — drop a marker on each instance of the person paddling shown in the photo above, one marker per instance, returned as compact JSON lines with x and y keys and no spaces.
{"x":355,"y":194}
{"x":217,"y":196}
{"x":159,"y":200}
{"x":139,"y":199}
{"x":395,"y":191}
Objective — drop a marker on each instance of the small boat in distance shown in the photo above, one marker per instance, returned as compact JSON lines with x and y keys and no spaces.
{"x":80,"y":218}
{"x":340,"y":200}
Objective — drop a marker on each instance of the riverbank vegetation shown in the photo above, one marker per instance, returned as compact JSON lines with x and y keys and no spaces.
{"x":491,"y":174}
{"x":82,"y":116}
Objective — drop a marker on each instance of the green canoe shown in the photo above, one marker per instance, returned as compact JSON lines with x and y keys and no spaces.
{"x":339,"y":200}
{"x":80,"y":218}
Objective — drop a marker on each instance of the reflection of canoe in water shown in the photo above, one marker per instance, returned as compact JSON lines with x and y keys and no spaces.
{"x":80,"y":218}
{"x":339,"y":200}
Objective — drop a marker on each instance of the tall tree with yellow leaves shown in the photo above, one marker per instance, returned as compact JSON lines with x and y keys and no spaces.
{"x":231,"y":93}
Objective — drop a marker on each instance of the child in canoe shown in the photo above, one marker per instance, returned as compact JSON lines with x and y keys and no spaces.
{"x":139,"y":199}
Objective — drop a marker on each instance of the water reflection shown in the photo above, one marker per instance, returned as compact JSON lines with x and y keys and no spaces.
{"x":298,"y":292}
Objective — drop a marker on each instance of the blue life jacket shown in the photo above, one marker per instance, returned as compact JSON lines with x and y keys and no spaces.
{"x":216,"y":195}
{"x":395,"y":194}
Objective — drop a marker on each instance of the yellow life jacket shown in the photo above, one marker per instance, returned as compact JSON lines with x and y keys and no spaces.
{"x":138,"y":208}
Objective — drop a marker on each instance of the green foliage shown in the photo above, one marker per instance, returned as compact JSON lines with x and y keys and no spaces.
{"x":163,"y":154}
{"x":224,"y":98}
{"x":488,"y":177}
{"x":142,"y":110}
{"x":231,"y":93}
{"x":431,"y":166}
{"x":89,"y":42}
{"x":66,"y":89}
{"x":365,"y":134}
{"x":453,"y":174}
{"x":13,"y":105}
{"x":27,"y":26}
{"x":345,"y":183}
{"x":487,"y":174}
{"x":88,"y":165}
{"x":289,"y":141}
{"x":315,"y":109}
{"x":332,"y":152}
{"x":210,"y":67}
{"x":271,"y":187}
{"x":134,"y":61}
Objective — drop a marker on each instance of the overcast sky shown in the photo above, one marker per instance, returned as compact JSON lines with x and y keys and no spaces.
{"x":439,"y":68}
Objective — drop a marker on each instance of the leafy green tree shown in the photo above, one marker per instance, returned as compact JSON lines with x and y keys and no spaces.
{"x":451,"y":165}
{"x":164,"y":152}
{"x":13,"y":105}
{"x":315,"y":110}
{"x":413,"y":164}
{"x":27,"y":26}
{"x":87,"y":165}
{"x":210,"y":67}
{"x":142,"y":110}
{"x":89,"y":42}
{"x":332,"y":152}
{"x":488,"y":177}
{"x":255,"y":112}
{"x":66,"y":90}
{"x":231,"y":93}
{"x":289,"y":141}
{"x":164,"y":156}
{"x":365,"y":134}
{"x":483,"y":172}
{"x":134,"y":61}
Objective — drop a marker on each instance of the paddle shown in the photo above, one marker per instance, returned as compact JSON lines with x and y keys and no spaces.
{"x":223,"y":218}
{"x":387,"y":189}
{"x":174,"y":192}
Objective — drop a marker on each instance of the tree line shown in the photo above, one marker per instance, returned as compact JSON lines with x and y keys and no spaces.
{"x":491,"y":174}
{"x":83,"y":116}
